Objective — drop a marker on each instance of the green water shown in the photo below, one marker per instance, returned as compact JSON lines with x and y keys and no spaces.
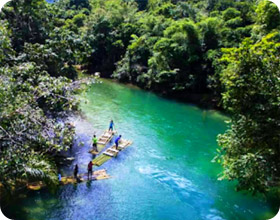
{"x":166,"y":174}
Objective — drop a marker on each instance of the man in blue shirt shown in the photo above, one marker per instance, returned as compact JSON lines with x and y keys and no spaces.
{"x":111,"y":125}
{"x":117,"y":142}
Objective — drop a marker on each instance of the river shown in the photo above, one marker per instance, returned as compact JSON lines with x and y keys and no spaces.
{"x":167,"y":173}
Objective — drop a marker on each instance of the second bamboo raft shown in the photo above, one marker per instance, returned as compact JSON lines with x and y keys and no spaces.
{"x":101,"y":159}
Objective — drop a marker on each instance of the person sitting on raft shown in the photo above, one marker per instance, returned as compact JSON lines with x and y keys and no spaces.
{"x":111,"y":125}
{"x":94,"y":143}
{"x":90,"y":169}
{"x":117,"y":142}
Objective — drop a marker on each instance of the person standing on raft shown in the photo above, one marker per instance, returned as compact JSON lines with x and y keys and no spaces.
{"x":90,"y":169}
{"x":76,"y":170}
{"x":111,"y":125}
{"x":94,"y":143}
{"x":117,"y":141}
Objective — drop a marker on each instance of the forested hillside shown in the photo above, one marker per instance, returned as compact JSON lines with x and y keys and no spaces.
{"x":221,"y":53}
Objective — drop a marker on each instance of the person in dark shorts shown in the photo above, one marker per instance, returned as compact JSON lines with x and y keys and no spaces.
{"x":94,"y":143}
{"x":117,"y":141}
{"x":76,"y":170}
{"x":90,"y":169}
{"x":111,"y":125}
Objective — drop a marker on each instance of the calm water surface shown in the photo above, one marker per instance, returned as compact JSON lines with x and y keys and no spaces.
{"x":166,"y":174}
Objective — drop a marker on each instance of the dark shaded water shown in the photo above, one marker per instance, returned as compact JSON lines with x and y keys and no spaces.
{"x":166,"y":174}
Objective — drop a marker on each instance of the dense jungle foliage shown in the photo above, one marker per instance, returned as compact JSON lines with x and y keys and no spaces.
{"x":221,"y":52}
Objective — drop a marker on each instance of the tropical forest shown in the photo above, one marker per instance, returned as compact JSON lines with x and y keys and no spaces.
{"x":140,"y":109}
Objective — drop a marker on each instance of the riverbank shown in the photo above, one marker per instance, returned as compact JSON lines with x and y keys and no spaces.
{"x":205,"y":101}
{"x":41,"y":133}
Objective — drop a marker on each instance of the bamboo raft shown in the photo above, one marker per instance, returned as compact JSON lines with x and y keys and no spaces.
{"x":111,"y":152}
{"x":96,"y":175}
{"x":102,"y":141}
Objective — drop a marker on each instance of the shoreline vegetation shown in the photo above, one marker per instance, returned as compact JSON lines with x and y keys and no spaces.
{"x":199,"y":100}
{"x":220,"y":54}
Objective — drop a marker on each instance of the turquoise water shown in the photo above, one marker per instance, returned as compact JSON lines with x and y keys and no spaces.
{"x":166,"y":174}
